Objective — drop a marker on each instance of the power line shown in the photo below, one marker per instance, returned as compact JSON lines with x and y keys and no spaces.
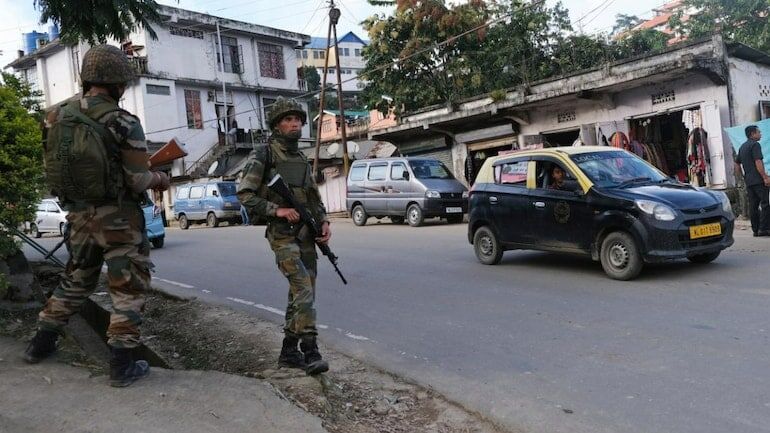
{"x":600,"y":12}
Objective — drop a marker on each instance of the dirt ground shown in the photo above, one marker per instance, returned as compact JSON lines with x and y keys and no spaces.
{"x":352,"y":397}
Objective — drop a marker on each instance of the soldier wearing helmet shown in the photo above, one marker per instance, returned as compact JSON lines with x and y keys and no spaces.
{"x":103,"y":228}
{"x":294,"y":249}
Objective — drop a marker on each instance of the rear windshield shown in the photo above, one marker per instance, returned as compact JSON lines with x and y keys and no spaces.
{"x":429,"y":169}
{"x":226,"y":189}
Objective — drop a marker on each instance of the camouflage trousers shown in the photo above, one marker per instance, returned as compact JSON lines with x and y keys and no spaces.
{"x":104,"y":234}
{"x":297,"y":260}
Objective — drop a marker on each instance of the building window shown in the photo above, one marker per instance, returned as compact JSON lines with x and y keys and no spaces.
{"x":660,"y":98}
{"x":319,"y":54}
{"x":181,"y":31}
{"x":233,"y":55}
{"x":566,"y":116}
{"x":345,"y":52}
{"x":357,"y":52}
{"x":192,"y":103}
{"x":271,"y":61}
{"x":304,"y":54}
{"x":153,"y":89}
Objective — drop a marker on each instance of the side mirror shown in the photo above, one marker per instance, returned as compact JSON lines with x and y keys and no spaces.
{"x":215,"y":193}
{"x":573,"y":186}
{"x":405,"y":175}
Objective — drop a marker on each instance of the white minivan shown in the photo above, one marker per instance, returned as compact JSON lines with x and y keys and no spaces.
{"x":49,"y":218}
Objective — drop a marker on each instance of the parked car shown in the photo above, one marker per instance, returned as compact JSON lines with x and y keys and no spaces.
{"x":611,"y":206}
{"x":404,"y":188}
{"x":209,"y":202}
{"x":153,"y":222}
{"x":49,"y":218}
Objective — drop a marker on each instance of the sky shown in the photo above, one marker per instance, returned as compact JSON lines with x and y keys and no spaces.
{"x":306,"y":16}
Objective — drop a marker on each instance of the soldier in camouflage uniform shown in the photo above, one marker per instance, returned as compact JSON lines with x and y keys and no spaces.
{"x":294,"y":249}
{"x":110,"y":230}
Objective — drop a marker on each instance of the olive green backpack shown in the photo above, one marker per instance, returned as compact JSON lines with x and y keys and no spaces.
{"x":82,"y":158}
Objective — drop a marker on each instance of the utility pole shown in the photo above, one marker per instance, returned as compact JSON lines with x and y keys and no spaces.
{"x":224,"y":89}
{"x":334,"y":17}
{"x":321,"y":101}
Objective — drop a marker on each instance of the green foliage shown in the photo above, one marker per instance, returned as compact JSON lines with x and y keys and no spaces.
{"x":744,"y":21}
{"x":21,"y":162}
{"x":624,"y":23}
{"x":31,"y":99}
{"x":99,"y":20}
{"x":640,"y":42}
{"x":312,"y":78}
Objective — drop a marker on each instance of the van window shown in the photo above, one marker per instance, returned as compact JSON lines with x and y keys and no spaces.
{"x":226,"y":189}
{"x":210,"y":190}
{"x":357,"y":173}
{"x":378,"y":172}
{"x":196,"y":192}
{"x":512,"y":173}
{"x":398,"y":171}
{"x":183,"y":193}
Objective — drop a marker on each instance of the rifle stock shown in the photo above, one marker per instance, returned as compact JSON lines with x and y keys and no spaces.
{"x":278,"y":186}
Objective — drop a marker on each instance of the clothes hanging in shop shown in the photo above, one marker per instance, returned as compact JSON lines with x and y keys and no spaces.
{"x":698,"y":158}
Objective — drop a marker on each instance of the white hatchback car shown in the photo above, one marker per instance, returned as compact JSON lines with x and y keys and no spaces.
{"x":49,"y":218}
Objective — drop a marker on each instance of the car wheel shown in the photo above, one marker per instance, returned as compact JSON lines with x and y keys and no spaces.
{"x":486,"y":246}
{"x":704,"y":258}
{"x":61,"y":229}
{"x":359,"y":215}
{"x":454,"y":219}
{"x":620,"y":256}
{"x":184,"y":224}
{"x":158,"y":242}
{"x":414,"y":215}
{"x":397,"y":219}
{"x":34,"y":231}
{"x":212,"y":220}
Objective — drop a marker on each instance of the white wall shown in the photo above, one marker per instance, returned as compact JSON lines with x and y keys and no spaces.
{"x":690,"y":90}
{"x":58,"y":81}
{"x":746,"y":79}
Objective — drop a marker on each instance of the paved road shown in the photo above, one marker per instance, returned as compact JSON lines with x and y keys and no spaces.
{"x":540,"y":343}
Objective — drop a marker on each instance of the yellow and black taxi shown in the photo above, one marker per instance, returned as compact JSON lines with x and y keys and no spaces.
{"x":594,"y":200}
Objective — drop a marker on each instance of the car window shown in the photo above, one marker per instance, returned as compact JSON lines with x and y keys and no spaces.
{"x":429,"y":169}
{"x":378,"y":172}
{"x":183,"y":193}
{"x":196,"y":192}
{"x":42,"y":207}
{"x":226,"y":189}
{"x":512,"y":173}
{"x":357,"y":173}
{"x":616,"y":169}
{"x":398,"y":171}
{"x":210,"y":189}
{"x":546,"y":174}
{"x":51,"y":207}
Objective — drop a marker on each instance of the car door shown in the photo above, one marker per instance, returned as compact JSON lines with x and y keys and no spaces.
{"x":559,"y":218}
{"x":376,"y":203}
{"x":40,"y":214}
{"x":508,"y":198}
{"x":356,"y":185}
{"x":398,"y":188}
{"x":211,"y":201}
{"x":182,"y":198}
{"x":195,"y":203}
{"x":49,"y":217}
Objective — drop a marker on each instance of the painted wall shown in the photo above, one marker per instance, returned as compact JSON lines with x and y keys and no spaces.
{"x":60,"y":82}
{"x":750,"y":84}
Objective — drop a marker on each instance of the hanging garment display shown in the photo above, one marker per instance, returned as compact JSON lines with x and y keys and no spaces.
{"x":698,"y":158}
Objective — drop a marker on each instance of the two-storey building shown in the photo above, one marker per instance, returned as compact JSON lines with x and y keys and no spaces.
{"x":351,"y":49}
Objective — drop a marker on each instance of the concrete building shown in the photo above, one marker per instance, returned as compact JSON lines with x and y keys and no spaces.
{"x":350,"y":48}
{"x":657,"y":99}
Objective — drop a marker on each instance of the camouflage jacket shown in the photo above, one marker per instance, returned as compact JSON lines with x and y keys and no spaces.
{"x":260,"y":201}
{"x":128,"y":134}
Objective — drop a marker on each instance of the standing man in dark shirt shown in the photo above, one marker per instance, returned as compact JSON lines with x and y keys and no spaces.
{"x":757,"y":181}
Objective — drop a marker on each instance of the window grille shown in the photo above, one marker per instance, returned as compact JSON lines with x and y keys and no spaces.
{"x":271,"y":61}
{"x":662,"y":97}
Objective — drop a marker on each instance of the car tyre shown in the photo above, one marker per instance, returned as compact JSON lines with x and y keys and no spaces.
{"x":33,"y":230}
{"x":704,"y":258}
{"x":359,"y":215}
{"x":487,"y":246}
{"x":620,"y":256}
{"x":414,"y":215}
{"x":184,"y":223}
{"x":158,"y":242}
{"x":212,"y":220}
{"x":397,"y":220}
{"x":454,"y":219}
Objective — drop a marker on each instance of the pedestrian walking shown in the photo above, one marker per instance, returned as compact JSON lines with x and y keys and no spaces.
{"x":96,"y":163}
{"x":757,"y":181}
{"x":293,"y":246}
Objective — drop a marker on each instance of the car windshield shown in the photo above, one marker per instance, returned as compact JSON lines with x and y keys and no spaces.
{"x":226,"y":189}
{"x":429,"y":169}
{"x":617,"y":169}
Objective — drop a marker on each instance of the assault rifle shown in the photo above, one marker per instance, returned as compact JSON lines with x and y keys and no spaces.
{"x":278,"y":186}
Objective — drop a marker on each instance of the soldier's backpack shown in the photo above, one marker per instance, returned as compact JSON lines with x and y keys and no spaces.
{"x":82,"y":158}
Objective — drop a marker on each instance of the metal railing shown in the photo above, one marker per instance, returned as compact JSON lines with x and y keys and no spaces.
{"x":139,"y":64}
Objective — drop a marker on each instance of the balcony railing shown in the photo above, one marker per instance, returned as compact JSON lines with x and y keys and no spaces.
{"x":139,"y":64}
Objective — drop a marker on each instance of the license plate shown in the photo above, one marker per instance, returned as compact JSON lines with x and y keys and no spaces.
{"x":454,"y":210}
{"x":705,"y":230}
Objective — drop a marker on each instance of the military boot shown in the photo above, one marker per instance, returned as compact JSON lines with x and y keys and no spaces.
{"x":290,"y":356}
{"x":124,"y":370}
{"x":42,"y":346}
{"x":315,"y":364}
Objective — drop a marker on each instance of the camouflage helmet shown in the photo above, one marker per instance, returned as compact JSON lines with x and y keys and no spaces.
{"x":283,"y":107}
{"x":106,"y":64}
